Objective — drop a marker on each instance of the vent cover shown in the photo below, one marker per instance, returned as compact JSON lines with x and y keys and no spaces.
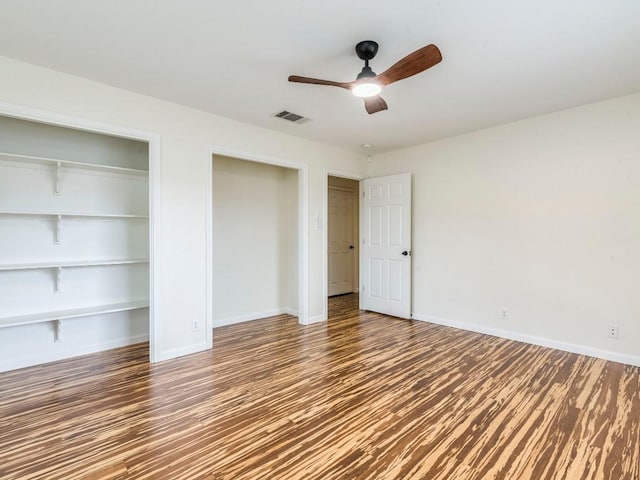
{"x":292,"y":117}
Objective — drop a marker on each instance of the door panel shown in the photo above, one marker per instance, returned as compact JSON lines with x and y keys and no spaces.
{"x":375,"y":277}
{"x":341,"y":241}
{"x":385,"y":284}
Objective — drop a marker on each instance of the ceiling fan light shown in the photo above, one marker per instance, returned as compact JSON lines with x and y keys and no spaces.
{"x":366,"y":89}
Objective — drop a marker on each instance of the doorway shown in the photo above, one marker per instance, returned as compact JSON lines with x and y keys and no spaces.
{"x":342,"y":236}
{"x":255,"y":240}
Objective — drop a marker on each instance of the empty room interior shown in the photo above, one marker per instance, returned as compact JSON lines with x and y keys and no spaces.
{"x":319,"y":241}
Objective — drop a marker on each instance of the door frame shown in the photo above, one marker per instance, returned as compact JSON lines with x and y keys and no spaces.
{"x":303,"y":236}
{"x":155,"y":182}
{"x":325,"y":240}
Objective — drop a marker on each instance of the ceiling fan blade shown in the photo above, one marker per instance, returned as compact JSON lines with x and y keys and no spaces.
{"x":375,"y":104}
{"x":317,"y":81}
{"x":412,"y":64}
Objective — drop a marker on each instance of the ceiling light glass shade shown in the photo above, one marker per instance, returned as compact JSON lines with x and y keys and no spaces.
{"x":366,"y":89}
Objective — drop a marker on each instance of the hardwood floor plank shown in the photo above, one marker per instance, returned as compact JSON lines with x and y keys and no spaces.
{"x":362,"y":397}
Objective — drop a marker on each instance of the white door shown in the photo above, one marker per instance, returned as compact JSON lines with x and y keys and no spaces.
{"x":385,"y":245}
{"x":341,"y":241}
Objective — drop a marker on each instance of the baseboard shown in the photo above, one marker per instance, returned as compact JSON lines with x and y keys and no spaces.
{"x":72,"y":352}
{"x":182,"y":351}
{"x":316,"y":319}
{"x":254,"y":316}
{"x":533,"y":340}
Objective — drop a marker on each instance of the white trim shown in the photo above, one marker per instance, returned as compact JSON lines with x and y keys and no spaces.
{"x":316,"y":319}
{"x":155,"y":246}
{"x":533,"y":340}
{"x":52,"y":118}
{"x":325,"y":241}
{"x":72,"y":352}
{"x":255,"y":157}
{"x":155,"y":197}
{"x":289,"y":311}
{"x":303,"y":246}
{"x":181,"y":351}
{"x":208,"y":255}
{"x":303,"y":228}
{"x":249,"y":317}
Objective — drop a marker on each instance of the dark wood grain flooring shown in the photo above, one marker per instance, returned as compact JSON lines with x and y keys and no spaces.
{"x":362,"y":397}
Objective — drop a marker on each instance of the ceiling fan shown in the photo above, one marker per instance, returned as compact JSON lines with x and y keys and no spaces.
{"x":368,"y":85}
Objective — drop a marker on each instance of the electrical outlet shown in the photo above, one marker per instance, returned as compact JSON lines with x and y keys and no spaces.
{"x":195,"y":325}
{"x":505,"y":313}
{"x":613,"y":332}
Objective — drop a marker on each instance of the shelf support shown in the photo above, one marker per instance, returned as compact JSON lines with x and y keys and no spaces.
{"x":58,"y":278}
{"x":56,"y":190}
{"x":57,"y":331}
{"x":56,"y":230}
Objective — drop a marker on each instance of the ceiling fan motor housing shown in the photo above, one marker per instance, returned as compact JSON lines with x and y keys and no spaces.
{"x":366,"y":50}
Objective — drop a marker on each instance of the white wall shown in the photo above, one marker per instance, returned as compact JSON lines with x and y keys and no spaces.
{"x":255,"y":240}
{"x":541,"y":217}
{"x":39,"y":139}
{"x":187,"y":138}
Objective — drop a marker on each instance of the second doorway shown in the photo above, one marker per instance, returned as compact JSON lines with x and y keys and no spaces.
{"x":342,"y":236}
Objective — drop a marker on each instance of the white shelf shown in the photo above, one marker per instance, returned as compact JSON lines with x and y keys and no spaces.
{"x":15,"y":157}
{"x":69,"y":214}
{"x":90,"y":263}
{"x":72,"y":313}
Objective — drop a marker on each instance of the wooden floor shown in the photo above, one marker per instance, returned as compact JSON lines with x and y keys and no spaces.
{"x":366,"y":397}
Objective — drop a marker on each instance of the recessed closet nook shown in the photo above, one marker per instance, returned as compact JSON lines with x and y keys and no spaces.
{"x":74,"y":241}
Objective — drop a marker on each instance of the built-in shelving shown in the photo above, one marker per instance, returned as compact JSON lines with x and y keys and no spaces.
{"x":15,"y":157}
{"x":59,"y":216}
{"x":94,"y":190}
{"x":58,"y":267}
{"x":70,"y":313}
{"x":62,"y":264}
{"x":72,"y":215}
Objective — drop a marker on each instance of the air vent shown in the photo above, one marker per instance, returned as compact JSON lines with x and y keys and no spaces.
{"x":292,"y":117}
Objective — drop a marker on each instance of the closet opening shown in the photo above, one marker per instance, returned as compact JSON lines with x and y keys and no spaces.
{"x":257,"y":240}
{"x":75,"y":247}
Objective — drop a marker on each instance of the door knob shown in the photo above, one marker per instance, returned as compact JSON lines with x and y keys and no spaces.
{"x":351,"y":247}
{"x":405,"y":253}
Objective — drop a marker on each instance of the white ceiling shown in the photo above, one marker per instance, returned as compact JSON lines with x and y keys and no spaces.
{"x":503,"y":60}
